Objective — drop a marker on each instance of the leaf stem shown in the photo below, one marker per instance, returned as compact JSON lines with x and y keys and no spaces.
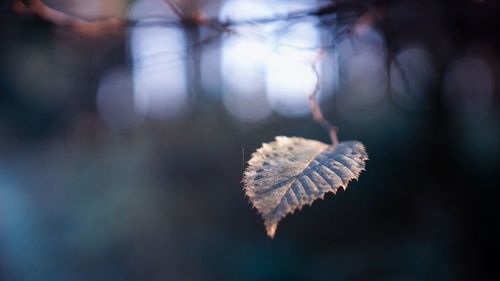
{"x":316,"y":110}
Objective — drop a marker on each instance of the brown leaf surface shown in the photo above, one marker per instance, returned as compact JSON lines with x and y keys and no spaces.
{"x":291,"y":172}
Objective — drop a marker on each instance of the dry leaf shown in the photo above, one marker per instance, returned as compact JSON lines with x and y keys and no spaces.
{"x":289,"y":173}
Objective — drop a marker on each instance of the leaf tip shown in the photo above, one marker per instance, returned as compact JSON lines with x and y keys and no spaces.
{"x":271,"y":230}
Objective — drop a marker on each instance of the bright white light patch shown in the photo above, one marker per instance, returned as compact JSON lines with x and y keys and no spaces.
{"x":288,"y":85}
{"x":158,"y":53}
{"x":243,"y":65}
{"x":243,"y":87}
{"x":290,"y":78}
{"x":271,"y":67}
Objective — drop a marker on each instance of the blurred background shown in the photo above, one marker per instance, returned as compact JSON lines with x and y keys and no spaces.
{"x":122,"y":147}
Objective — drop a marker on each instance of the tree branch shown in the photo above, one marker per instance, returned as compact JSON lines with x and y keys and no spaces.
{"x":59,"y":18}
{"x":316,"y":110}
{"x":116,"y":25}
{"x":325,"y":10}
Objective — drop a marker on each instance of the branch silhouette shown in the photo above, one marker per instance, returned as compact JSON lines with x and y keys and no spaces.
{"x":183,"y":19}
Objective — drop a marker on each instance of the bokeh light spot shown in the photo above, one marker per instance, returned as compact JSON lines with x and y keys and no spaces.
{"x":115,"y":100}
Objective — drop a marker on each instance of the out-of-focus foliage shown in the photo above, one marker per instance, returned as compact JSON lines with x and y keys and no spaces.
{"x":121,"y":157}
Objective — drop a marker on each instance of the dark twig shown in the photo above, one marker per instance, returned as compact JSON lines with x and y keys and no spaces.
{"x":316,"y":110}
{"x":175,"y":8}
{"x":316,"y":12}
{"x":404,"y":77}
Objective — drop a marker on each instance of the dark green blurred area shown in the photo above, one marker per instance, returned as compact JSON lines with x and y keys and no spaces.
{"x":81,"y":199}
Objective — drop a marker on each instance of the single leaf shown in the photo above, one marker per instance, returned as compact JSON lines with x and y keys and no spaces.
{"x":284,"y":175}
